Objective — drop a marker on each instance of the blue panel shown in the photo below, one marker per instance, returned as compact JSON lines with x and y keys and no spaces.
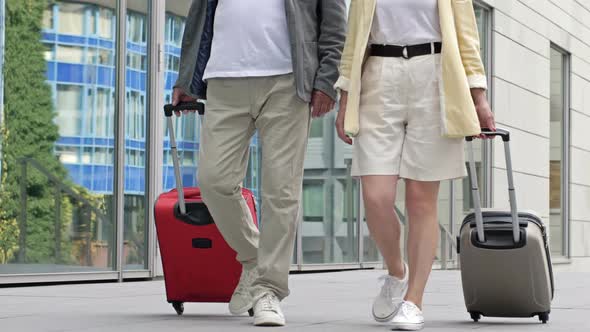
{"x":170,"y":49}
{"x":106,"y":76}
{"x":101,"y":177}
{"x":69,"y":141}
{"x":71,"y":39}
{"x":50,"y":73}
{"x":133,"y":47}
{"x":106,"y":44}
{"x":134,"y":179}
{"x":92,"y":41}
{"x":136,"y":80}
{"x":70,"y":73}
{"x":98,"y":141}
{"x":189,"y":177}
{"x":170,"y":79}
{"x":135,"y":144}
{"x":48,"y":36}
{"x":182,"y":145}
{"x":90,"y":74}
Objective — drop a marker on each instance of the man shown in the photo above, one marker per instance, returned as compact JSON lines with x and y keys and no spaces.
{"x":260,"y":64}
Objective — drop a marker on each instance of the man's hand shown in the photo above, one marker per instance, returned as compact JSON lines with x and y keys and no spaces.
{"x":321,"y":104}
{"x":340,"y":119}
{"x":179,"y":96}
{"x":484,"y":112}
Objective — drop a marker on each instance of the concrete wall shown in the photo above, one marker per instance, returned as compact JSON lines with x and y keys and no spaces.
{"x":523,"y":31}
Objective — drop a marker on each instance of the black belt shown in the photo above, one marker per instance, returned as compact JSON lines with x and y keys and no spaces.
{"x":406,"y":52}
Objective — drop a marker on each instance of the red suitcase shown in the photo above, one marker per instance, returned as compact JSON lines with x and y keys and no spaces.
{"x":199,"y":266}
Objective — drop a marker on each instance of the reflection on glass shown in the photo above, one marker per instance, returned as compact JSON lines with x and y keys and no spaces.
{"x":134,"y":234}
{"x":557,"y":102}
{"x":330,"y":199}
{"x":58,"y":215}
{"x":70,"y":20}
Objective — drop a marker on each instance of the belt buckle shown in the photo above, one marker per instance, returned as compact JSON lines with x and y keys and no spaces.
{"x":405,"y":54}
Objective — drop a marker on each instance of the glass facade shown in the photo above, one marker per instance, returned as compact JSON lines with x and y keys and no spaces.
{"x":70,"y":225}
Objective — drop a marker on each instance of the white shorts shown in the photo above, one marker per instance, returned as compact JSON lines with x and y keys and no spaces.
{"x":400,"y":122}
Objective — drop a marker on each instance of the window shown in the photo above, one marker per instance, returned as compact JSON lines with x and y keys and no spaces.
{"x":86,"y":155}
{"x":136,"y":61}
{"x":88,"y":112}
{"x":189,"y":127}
{"x":71,"y":18}
{"x":105,"y":57}
{"x":48,"y":54}
{"x":67,"y":154}
{"x":174,"y":27}
{"x":313,"y":200}
{"x":188,"y":158}
{"x":48,"y":18}
{"x":468,"y":197}
{"x":135,"y":115}
{"x":481,"y":149}
{"x":172,"y":63}
{"x":105,"y":23}
{"x":137,"y":31}
{"x":251,"y":180}
{"x":100,"y":56}
{"x":69,"y":100}
{"x":558,"y":157}
{"x":104,"y":113}
{"x":317,"y":128}
{"x":134,"y":158}
{"x":102,"y":156}
{"x":69,"y":54}
{"x":482,"y":16}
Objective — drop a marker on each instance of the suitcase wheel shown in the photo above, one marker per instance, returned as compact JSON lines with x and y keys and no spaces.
{"x":251,"y":312}
{"x":476,"y":316}
{"x":179,"y":307}
{"x":544,"y":317}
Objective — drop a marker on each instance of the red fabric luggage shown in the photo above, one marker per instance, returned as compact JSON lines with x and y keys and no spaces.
{"x":199,"y":266}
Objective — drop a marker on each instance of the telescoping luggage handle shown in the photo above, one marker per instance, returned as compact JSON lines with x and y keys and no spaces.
{"x":169,"y":111}
{"x":505,"y":135}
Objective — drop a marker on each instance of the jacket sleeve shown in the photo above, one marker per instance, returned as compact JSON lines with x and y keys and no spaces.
{"x":469,"y":43}
{"x":343,"y":82}
{"x":191,"y":53}
{"x":330,"y":44}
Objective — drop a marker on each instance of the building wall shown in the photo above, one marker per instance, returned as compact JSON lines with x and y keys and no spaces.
{"x":523,"y":32}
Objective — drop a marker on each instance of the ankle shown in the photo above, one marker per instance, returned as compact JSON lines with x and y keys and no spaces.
{"x":397,"y":271}
{"x":415,"y":300}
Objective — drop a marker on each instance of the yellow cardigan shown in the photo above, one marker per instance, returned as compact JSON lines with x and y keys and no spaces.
{"x":462,"y":68}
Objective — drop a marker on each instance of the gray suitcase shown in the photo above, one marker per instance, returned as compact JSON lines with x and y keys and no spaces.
{"x":504,"y":255}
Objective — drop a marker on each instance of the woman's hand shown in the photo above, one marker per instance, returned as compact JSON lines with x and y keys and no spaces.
{"x":340,"y":118}
{"x":484,"y":112}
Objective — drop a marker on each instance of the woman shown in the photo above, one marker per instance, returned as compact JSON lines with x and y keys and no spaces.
{"x":412,"y":87}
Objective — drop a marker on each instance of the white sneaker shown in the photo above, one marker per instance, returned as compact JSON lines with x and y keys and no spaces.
{"x":267,"y":311}
{"x":241,"y":300}
{"x":391,"y":297}
{"x":408,"y":318}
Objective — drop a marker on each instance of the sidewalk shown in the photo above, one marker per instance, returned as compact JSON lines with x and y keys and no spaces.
{"x":319,"y":302}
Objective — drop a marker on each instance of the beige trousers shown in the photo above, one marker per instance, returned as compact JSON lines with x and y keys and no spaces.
{"x":236,"y":108}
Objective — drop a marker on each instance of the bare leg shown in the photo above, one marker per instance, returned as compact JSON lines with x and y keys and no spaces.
{"x":421,"y":203}
{"x":379,"y":197}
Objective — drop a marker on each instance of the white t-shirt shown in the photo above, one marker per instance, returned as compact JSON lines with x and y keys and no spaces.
{"x":406,"y":22}
{"x":250,"y":38}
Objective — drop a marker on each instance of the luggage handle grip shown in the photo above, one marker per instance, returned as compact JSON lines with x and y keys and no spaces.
{"x":505,"y":134}
{"x":198,"y":106}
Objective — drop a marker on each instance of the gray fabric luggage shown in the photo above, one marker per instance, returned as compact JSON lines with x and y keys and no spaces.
{"x":504,"y":256}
